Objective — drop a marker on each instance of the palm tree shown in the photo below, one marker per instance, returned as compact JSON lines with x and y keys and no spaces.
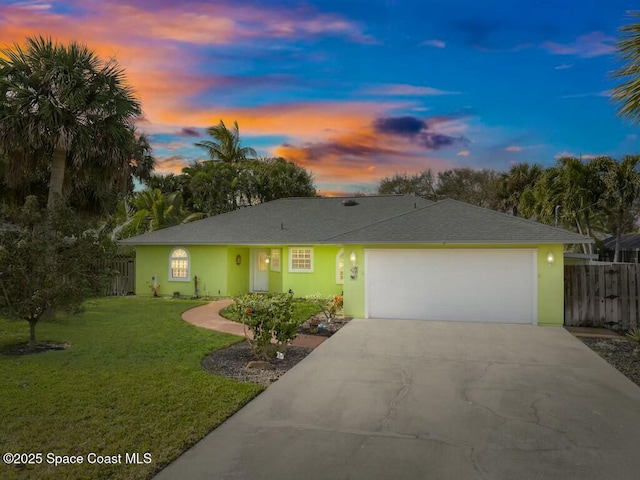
{"x":153,"y":210}
{"x":627,"y":94}
{"x":513,"y":184}
{"x":226,"y":145}
{"x":62,"y":108}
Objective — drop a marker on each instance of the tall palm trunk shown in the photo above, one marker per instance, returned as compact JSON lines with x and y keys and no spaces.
{"x":56,"y":181}
{"x":616,"y":254}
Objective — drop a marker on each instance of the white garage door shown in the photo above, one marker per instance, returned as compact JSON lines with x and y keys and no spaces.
{"x":471,"y":285}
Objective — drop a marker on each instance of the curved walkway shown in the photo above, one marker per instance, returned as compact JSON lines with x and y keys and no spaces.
{"x":208,"y":316}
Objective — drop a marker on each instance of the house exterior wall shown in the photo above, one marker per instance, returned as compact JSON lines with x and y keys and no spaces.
{"x":275,"y":277}
{"x":323,"y":279}
{"x":218,"y":274}
{"x":208,"y":263}
{"x":550,"y":279}
{"x":238,"y":274}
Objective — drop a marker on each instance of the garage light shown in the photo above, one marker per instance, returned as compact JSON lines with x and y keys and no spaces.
{"x":551,"y":258}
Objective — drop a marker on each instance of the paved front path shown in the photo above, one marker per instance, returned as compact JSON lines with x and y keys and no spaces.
{"x":401,"y":399}
{"x":208,"y":316}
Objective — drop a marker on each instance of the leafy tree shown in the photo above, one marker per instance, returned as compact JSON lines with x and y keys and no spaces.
{"x":273,"y":178}
{"x":168,"y":183}
{"x":213,"y":187}
{"x":47,"y":262}
{"x":63,"y":110}
{"x":421,"y":184}
{"x":218,"y":187}
{"x":622,"y":190}
{"x":477,"y":187}
{"x":627,"y":93}
{"x":226,"y":145}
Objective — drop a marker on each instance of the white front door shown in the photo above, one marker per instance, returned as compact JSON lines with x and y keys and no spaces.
{"x":259,"y":270}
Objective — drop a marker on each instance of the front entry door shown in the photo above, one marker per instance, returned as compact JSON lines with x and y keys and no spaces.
{"x":260,"y":270}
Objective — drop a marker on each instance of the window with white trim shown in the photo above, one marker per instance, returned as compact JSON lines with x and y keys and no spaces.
{"x":301,"y":259}
{"x":179,"y":265}
{"x":275,"y":260}
{"x":340,"y":266}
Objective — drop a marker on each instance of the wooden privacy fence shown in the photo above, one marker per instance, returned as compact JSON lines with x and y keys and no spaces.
{"x":124,"y":281}
{"x":602,"y":296}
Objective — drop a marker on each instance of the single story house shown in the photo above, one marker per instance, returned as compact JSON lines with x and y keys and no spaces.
{"x":397,"y":256}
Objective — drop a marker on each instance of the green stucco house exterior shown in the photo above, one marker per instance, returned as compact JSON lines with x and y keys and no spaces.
{"x":396,"y":256}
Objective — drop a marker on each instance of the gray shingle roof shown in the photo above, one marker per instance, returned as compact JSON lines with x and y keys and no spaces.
{"x":284,"y":221}
{"x":628,"y":241}
{"x":401,"y":219}
{"x":450,"y":221}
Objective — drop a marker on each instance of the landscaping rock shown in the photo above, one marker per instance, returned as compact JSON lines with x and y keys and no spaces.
{"x":260,"y":365}
{"x":623,"y":354}
{"x":231,"y":362}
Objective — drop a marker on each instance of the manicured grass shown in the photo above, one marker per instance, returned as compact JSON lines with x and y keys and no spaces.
{"x":131,"y":382}
{"x":302,"y":310}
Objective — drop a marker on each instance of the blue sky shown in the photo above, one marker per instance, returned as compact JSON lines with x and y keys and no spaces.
{"x":355,"y":91}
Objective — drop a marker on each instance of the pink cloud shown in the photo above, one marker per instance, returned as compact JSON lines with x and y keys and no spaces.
{"x":402,"y":89}
{"x":434,"y":42}
{"x":513,"y":148}
{"x":592,"y":44}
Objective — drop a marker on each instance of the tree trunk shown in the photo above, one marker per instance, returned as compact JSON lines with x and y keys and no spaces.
{"x":616,"y":253}
{"x":32,"y":333}
{"x":589,"y":232}
{"x":579,"y":227}
{"x":56,"y":180}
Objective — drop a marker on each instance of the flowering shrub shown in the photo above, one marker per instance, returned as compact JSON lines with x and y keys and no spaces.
{"x":270,"y":319}
{"x":329,"y":306}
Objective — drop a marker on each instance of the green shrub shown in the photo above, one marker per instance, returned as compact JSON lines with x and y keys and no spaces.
{"x":329,"y":306}
{"x":634,"y":334}
{"x":270,"y":319}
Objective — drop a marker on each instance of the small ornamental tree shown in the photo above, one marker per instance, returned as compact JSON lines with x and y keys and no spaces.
{"x":330,"y":306}
{"x":270,"y":319}
{"x":48,"y":261}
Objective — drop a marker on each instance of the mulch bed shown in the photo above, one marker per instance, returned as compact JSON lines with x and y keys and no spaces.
{"x":623,"y":354}
{"x":232,"y":361}
{"x":318,"y":325}
{"x":25,"y":349}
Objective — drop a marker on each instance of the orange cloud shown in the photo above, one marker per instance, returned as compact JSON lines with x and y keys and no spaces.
{"x":363,"y":154}
{"x":304,"y":121}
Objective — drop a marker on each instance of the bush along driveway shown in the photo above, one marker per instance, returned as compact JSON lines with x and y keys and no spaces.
{"x":131,"y":381}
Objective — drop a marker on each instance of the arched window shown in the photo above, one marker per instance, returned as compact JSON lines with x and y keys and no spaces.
{"x":179,"y":265}
{"x":340,"y":266}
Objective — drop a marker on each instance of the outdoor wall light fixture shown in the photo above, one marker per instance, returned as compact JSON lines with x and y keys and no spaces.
{"x":354,"y":268}
{"x":551,"y":258}
{"x":267,"y":260}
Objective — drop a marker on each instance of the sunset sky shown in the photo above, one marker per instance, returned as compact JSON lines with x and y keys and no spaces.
{"x":358,"y":90}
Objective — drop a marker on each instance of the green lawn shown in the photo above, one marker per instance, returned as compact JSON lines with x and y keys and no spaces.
{"x":131,"y":382}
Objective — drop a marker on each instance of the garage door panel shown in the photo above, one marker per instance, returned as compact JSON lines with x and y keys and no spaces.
{"x":485,"y":285}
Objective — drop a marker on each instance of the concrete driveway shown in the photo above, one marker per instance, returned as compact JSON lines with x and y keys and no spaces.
{"x":401,"y":399}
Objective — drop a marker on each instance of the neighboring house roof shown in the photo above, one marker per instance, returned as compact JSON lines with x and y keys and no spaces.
{"x":628,"y":241}
{"x":401,"y":219}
